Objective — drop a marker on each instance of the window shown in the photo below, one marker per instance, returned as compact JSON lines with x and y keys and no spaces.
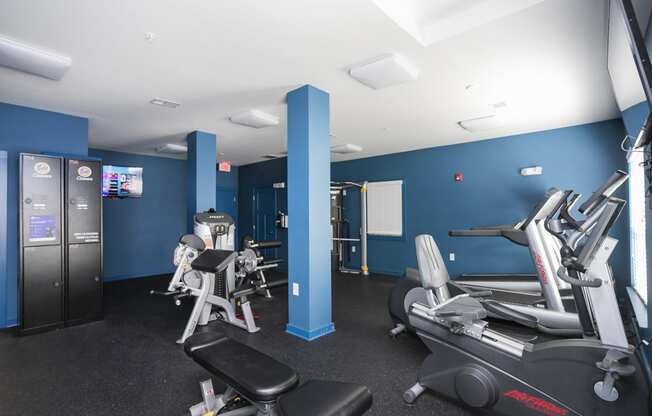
{"x":637,"y":210}
{"x":385,"y":208}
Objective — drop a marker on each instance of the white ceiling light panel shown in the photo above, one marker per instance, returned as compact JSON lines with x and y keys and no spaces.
{"x":32,"y":60}
{"x":172,"y":148}
{"x":482,"y":123}
{"x":345,"y":149}
{"x":385,"y":71}
{"x":255,"y":118}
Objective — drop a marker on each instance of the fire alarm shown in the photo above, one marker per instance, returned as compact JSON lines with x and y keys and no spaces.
{"x":458,"y":176}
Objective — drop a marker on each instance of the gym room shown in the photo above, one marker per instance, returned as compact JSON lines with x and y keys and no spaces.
{"x":325,"y":207}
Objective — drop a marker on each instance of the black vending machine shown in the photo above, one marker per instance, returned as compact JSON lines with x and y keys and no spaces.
{"x":41,"y":242}
{"x":83,"y":243}
{"x":60,"y":242}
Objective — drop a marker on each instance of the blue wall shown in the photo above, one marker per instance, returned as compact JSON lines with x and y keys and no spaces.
{"x":493,"y":192}
{"x":228,"y":180}
{"x":25,"y":129}
{"x":140,"y":234}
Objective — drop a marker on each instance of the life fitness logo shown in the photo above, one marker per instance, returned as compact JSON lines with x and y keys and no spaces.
{"x":42,"y":170}
{"x":536,"y":403}
{"x":538,"y":263}
{"x":84,"y":173}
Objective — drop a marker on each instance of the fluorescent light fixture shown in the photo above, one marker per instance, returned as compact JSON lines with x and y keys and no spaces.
{"x":164,"y":103}
{"x":385,"y":71}
{"x":274,"y":156}
{"x":34,"y":61}
{"x":344,"y":149}
{"x":255,"y":119}
{"x":172,"y":148}
{"x":481,"y":123}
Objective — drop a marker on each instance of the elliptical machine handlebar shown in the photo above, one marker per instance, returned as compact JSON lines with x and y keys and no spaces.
{"x":569,"y":259}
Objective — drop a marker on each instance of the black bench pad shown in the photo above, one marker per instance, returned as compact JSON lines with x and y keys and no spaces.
{"x":326,"y":398}
{"x":251,"y":373}
{"x":213,"y":261}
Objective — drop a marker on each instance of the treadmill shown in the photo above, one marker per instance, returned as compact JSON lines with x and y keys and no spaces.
{"x":529,"y":283}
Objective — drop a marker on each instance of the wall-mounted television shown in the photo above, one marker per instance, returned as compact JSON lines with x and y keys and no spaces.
{"x":629,"y":64}
{"x":122,"y":182}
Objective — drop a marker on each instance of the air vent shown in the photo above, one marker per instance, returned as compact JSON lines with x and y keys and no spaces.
{"x":164,"y":103}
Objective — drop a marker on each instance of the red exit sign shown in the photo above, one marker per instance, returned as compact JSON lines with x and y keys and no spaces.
{"x":224,"y":167}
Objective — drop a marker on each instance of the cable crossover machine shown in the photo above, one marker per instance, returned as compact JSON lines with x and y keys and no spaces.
{"x":340,"y":228}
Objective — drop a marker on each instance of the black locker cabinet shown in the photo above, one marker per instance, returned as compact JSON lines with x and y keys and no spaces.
{"x":41,"y":243}
{"x":83,"y":245}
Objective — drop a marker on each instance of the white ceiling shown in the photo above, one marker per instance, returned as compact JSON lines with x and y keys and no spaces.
{"x":547,"y":62}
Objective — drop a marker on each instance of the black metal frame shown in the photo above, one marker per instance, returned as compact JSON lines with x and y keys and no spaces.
{"x":637,"y":46}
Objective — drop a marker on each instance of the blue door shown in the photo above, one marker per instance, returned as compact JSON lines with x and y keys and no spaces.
{"x":265,"y":217}
{"x":227,"y":201}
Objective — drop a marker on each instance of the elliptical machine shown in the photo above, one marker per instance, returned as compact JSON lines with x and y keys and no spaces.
{"x":485,"y":368}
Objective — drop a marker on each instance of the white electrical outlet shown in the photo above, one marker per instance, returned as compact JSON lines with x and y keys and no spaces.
{"x":451,"y":256}
{"x":295,"y":289}
{"x":352,"y":249}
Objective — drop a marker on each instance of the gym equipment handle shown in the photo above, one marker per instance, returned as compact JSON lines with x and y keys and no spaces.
{"x":481,"y":294}
{"x":266,"y":244}
{"x":578,"y":282}
{"x":507,"y":313}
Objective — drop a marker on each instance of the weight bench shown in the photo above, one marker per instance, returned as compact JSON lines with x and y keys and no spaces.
{"x":269,"y":387}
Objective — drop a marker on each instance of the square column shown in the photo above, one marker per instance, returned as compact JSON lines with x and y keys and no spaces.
{"x":309,"y":242}
{"x":202,"y":175}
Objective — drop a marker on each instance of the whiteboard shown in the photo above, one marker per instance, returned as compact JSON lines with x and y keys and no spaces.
{"x":385,"y":208}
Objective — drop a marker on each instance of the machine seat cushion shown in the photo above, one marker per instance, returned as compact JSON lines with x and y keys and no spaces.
{"x":213,"y":261}
{"x":191,"y":240}
{"x":326,"y":398}
{"x":251,"y":373}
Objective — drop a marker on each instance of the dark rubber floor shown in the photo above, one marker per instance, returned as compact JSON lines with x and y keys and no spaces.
{"x":129,"y":364}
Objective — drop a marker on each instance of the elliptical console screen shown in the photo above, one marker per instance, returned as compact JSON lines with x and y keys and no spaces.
{"x":122,"y":182}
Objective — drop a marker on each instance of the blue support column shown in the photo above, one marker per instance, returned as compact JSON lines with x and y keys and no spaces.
{"x":202,"y":174}
{"x":309,"y":271}
{"x":3,"y":239}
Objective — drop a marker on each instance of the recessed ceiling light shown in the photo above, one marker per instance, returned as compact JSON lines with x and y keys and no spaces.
{"x":255,"y":118}
{"x":164,"y":103}
{"x":385,"y":71}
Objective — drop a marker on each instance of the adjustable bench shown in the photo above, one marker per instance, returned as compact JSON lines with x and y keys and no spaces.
{"x":270,"y":387}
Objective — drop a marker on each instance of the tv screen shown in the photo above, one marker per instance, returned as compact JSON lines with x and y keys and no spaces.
{"x":629,"y":65}
{"x":122,"y":182}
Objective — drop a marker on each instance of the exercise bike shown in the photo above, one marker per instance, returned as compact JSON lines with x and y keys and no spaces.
{"x":495,"y":370}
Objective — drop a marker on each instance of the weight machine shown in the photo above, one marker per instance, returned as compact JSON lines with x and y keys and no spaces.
{"x":340,"y":225}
